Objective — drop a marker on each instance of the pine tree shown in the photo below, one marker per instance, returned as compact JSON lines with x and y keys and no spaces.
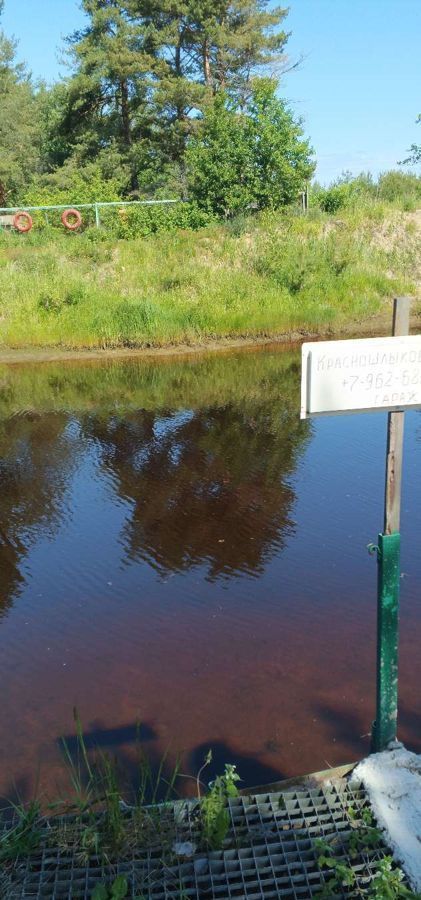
{"x":109,"y":94}
{"x":178,"y":91}
{"x":216,"y":43}
{"x":232,"y":41}
{"x":145,"y":69}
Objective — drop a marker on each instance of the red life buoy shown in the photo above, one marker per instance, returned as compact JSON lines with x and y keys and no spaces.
{"x":24,"y":225}
{"x":68,"y":216}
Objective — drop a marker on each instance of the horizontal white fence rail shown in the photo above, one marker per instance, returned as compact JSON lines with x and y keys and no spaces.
{"x":7,"y":210}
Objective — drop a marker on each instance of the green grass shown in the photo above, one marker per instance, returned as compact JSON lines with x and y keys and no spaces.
{"x":259,"y":277}
{"x":92,"y":823}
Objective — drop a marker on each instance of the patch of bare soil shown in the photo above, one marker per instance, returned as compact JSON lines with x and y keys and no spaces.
{"x":401,"y":228}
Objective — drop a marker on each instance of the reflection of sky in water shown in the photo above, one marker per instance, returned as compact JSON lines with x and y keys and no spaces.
{"x":166,"y":425}
{"x":170,"y":425}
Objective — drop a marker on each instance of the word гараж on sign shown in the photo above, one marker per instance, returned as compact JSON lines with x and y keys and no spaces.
{"x":361,"y":375}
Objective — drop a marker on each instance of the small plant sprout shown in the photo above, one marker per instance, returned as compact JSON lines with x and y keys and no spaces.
{"x":213,"y":808}
{"x":388,"y":883}
{"x":118,"y":890}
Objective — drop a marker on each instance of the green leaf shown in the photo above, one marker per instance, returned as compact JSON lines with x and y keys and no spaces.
{"x":119,"y":888}
{"x":100,"y":892}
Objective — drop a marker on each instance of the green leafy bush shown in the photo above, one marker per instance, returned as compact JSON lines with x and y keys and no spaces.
{"x":72,"y":185}
{"x":394,"y":186}
{"x":345,"y":191}
{"x":398,"y":188}
{"x":140,"y":221}
{"x":333,"y":198}
{"x":257,"y":158}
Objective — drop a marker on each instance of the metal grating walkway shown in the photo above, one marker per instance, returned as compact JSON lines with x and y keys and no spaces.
{"x":269,"y":852}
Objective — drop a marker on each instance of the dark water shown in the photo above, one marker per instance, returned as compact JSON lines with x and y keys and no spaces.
{"x":178,"y":549}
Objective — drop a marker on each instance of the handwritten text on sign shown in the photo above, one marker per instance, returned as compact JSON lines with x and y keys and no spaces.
{"x":367,"y":374}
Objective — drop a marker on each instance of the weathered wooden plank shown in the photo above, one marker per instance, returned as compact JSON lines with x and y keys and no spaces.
{"x":395,"y":429}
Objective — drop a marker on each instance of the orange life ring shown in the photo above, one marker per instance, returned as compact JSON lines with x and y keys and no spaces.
{"x":24,"y":226}
{"x":71,"y":214}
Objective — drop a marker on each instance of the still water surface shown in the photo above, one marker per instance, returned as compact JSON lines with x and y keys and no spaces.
{"x":178,"y":549}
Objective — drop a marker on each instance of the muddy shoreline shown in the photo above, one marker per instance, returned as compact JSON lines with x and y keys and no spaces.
{"x":375,"y":326}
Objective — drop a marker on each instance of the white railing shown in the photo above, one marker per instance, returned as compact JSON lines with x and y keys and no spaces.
{"x":95,"y":206}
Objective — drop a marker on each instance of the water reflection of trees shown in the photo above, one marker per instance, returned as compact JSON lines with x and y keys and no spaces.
{"x":208,"y":487}
{"x":36,"y":455}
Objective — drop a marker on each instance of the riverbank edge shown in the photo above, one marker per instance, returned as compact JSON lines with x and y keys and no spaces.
{"x":375,"y":326}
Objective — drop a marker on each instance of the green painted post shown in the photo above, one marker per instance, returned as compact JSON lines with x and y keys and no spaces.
{"x":388,"y":562}
{"x":388,"y":568}
{"x":97,"y":221}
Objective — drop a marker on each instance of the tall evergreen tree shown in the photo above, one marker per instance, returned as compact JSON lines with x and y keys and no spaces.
{"x":108,"y":98}
{"x":154,"y":86}
{"x":217,"y":43}
{"x":205,"y":45}
{"x":144,"y":69}
{"x":233,"y":41}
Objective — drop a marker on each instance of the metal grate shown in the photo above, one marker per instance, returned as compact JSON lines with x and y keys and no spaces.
{"x":269,"y":852}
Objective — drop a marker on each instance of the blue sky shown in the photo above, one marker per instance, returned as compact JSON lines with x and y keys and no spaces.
{"x":358,"y":87}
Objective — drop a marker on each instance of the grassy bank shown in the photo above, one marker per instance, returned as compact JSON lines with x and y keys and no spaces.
{"x":253,"y":277}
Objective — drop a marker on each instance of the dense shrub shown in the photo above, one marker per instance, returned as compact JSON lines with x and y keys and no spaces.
{"x":345,"y":191}
{"x":399,"y":188}
{"x":71,"y":186}
{"x":405,"y":186}
{"x":139,"y":221}
{"x":254,"y":159}
{"x":333,"y":198}
{"x":360,"y":194}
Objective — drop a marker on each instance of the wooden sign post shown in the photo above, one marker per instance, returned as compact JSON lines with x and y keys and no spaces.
{"x":363,"y":376}
{"x":388,"y":569}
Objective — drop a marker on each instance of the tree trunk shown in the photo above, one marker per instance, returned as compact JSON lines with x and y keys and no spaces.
{"x":126,"y":130}
{"x":207,"y":74}
{"x":178,"y":57}
{"x":220,"y":74}
{"x":180,"y":113}
{"x":125,"y":113}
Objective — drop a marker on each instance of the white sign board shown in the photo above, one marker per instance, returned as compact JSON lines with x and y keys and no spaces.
{"x":361,"y":375}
